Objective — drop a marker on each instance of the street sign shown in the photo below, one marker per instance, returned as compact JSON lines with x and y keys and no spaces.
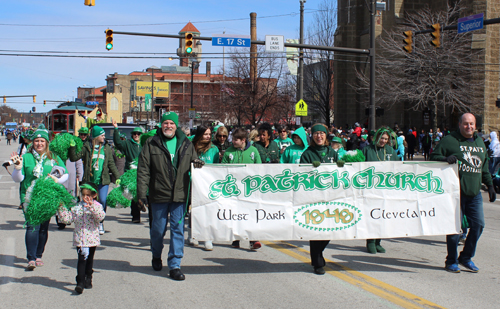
{"x":470,"y":23}
{"x":92,"y":102}
{"x":233,"y":40}
{"x":192,"y":113}
{"x":301,"y":108}
{"x":275,"y":44}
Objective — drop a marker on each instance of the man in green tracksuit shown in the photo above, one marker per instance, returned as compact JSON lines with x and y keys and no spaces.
{"x":268,"y":149}
{"x":131,"y":149}
{"x":293,"y":153}
{"x":164,"y":169}
{"x":466,"y":147}
{"x":242,"y":152}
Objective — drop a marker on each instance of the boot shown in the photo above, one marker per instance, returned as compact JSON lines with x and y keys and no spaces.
{"x":80,"y":285}
{"x":88,"y":281}
{"x":370,"y":246}
{"x":378,"y":247}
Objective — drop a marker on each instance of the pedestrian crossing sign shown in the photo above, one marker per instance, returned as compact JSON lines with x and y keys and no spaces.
{"x":301,"y":108}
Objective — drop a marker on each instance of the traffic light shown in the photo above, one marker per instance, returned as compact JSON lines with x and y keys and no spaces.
{"x":436,"y":35}
{"x":44,"y":103}
{"x":34,"y":99}
{"x":33,"y":109}
{"x":4,"y":100}
{"x":90,"y":2}
{"x":109,"y":39}
{"x":408,"y":41}
{"x":189,"y":42}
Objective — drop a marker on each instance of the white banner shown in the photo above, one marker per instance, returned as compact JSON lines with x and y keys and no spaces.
{"x":300,"y":202}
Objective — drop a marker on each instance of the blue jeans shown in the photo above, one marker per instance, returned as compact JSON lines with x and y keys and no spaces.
{"x":158,"y":229}
{"x":103,"y":195}
{"x":493,"y":164}
{"x":36,"y":238}
{"x":472,"y":207}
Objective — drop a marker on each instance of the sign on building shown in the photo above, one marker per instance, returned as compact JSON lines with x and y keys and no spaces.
{"x":161,"y":89}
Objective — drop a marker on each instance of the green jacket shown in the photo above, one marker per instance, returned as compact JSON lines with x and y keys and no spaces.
{"x":210,"y":156}
{"x":284,"y":143}
{"x":373,"y":153}
{"x":269,"y":154}
{"x":249,"y":155}
{"x":29,"y":163}
{"x":323,"y":154}
{"x":129,"y":148}
{"x":156,"y":172}
{"x":86,"y":155}
{"x":472,"y":157}
{"x":293,"y":153}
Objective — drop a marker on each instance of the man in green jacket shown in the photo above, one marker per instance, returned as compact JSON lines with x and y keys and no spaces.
{"x":466,"y":147}
{"x":268,"y":149}
{"x":164,"y":169}
{"x":131,"y":149}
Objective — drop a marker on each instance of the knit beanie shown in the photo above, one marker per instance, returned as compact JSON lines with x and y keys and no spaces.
{"x":97,"y":131}
{"x":170,"y":116}
{"x":41,"y":132}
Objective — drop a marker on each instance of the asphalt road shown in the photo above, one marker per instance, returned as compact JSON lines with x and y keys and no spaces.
{"x":278,"y":275}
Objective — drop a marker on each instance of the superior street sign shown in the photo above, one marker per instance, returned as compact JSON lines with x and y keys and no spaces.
{"x":233,"y":40}
{"x":470,"y":23}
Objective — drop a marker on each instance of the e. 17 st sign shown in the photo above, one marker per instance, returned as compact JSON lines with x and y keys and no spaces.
{"x":232,"y":40}
{"x":470,"y":23}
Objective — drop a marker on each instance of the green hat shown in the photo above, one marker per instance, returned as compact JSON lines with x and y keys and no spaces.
{"x":41,"y":132}
{"x":365,"y":136}
{"x":97,"y":131}
{"x":137,"y":129}
{"x":29,"y":134}
{"x":170,"y":116}
{"x":337,"y":139}
{"x":99,"y":112}
{"x":83,"y":130}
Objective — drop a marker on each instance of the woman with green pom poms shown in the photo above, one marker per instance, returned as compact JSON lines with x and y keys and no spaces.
{"x":382,"y":149}
{"x":318,"y":152}
{"x":97,"y":164}
{"x":37,"y":163}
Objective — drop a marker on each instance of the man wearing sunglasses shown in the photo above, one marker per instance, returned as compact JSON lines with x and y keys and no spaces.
{"x":131,"y":148}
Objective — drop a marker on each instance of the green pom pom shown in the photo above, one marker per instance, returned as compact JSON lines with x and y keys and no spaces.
{"x":45,"y":200}
{"x":340,"y":163}
{"x":354,"y":156}
{"x":145,"y":136}
{"x":116,"y":199}
{"x":128,"y":182}
{"x":61,"y":143}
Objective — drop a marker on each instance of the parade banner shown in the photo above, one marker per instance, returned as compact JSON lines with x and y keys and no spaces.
{"x":300,"y":202}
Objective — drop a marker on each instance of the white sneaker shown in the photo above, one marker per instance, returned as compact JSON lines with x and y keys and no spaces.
{"x":192,"y":242}
{"x":101,"y":229}
{"x":209,"y":246}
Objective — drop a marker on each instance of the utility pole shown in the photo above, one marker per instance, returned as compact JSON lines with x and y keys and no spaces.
{"x":373,"y":4}
{"x":152,"y":92}
{"x":301,"y":56}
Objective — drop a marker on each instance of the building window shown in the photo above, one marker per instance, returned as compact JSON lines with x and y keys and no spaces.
{"x":114,"y":104}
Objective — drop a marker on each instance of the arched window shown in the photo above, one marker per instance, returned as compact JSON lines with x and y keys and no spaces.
{"x":114,"y":104}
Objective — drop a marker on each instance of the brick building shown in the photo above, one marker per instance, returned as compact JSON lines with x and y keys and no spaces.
{"x":353,"y":31}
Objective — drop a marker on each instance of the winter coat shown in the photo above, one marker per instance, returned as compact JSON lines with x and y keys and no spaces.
{"x":412,"y":141}
{"x":129,"y":148}
{"x":86,"y":155}
{"x":401,"y":148}
{"x":166,"y":181}
{"x":374,"y":153}
{"x":86,"y":219}
{"x":293,"y":153}
{"x":472,"y":157}
{"x":494,"y":145}
{"x":269,"y":154}
{"x":249,"y":155}
{"x":322,"y":154}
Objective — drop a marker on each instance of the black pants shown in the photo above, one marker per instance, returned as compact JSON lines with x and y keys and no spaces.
{"x":85,"y":266}
{"x":317,"y":247}
{"x":135,"y":211}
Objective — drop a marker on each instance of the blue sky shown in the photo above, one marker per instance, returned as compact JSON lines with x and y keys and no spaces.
{"x":69,"y":26}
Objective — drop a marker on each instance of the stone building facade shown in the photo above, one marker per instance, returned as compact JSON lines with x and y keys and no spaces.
{"x":353,"y":31}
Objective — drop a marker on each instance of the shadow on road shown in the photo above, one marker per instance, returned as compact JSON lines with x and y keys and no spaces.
{"x":45,"y":281}
{"x":382,"y":263}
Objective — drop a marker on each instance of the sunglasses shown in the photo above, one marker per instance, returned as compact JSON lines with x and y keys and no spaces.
{"x":284,"y":131}
{"x":136,"y":133}
{"x":221,"y":135}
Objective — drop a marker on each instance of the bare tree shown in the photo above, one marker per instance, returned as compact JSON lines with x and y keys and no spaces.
{"x":319,"y":69}
{"x":285,"y":104}
{"x":428,"y":77}
{"x":252,"y":98}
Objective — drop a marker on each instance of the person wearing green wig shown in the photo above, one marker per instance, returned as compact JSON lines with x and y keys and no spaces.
{"x":382,"y":149}
{"x":37,"y":163}
{"x":318,"y":152}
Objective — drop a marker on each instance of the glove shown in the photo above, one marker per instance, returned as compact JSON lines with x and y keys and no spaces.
{"x":72,"y":143}
{"x":316,"y":163}
{"x":340,"y":163}
{"x":451,"y":159}
{"x":492,"y":193}
{"x":143,"y":204}
{"x":18,"y":162}
{"x":118,"y":181}
{"x":197,"y":163}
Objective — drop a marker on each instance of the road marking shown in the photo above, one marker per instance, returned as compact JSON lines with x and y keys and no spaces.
{"x":358,"y":279}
